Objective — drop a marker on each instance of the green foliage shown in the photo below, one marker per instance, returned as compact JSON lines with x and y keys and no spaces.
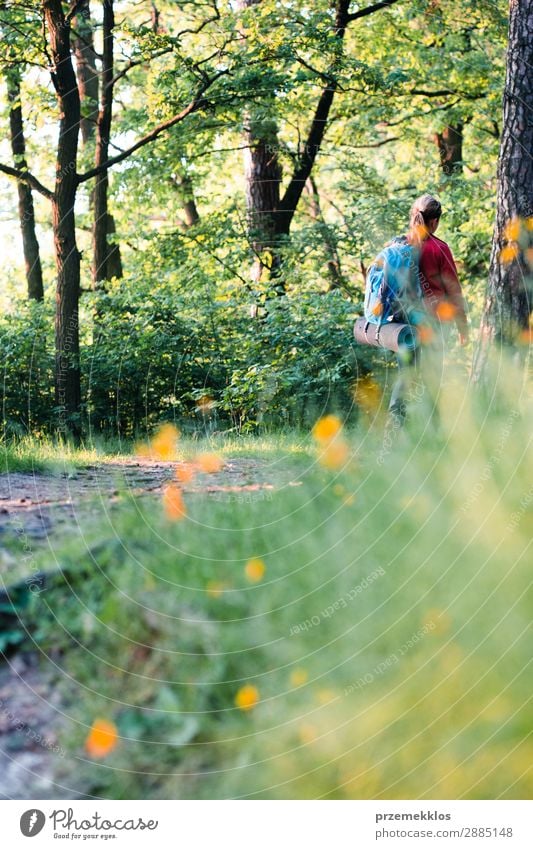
{"x":27,"y":357}
{"x":154,"y":360}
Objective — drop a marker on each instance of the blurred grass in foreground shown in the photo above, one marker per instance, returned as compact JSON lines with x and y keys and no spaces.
{"x":388,"y":639}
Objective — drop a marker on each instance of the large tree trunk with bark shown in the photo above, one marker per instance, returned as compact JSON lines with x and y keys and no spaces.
{"x":262,"y":172}
{"x":263,"y":180}
{"x":32,"y":259}
{"x":86,"y":71}
{"x":450,"y":145}
{"x":68,"y":393}
{"x":508,"y":300}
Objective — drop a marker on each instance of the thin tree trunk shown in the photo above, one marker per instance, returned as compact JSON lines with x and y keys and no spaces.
{"x":114,"y":261}
{"x":450,"y":145}
{"x":104,"y":254}
{"x":191,"y":216}
{"x":293,"y":193}
{"x":32,"y":259}
{"x":508,"y":301}
{"x":330,"y":245}
{"x":68,"y":393}
{"x":182,"y":181}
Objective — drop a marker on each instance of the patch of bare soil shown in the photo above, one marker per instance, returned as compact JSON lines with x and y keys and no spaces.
{"x":37,"y":503}
{"x":33,"y":763}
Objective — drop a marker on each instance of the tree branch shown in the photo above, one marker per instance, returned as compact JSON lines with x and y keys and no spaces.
{"x":201,"y":26}
{"x":372,"y":144}
{"x":328,"y":78}
{"x":134,"y":62}
{"x":28,"y":178}
{"x":444,"y":92}
{"x":369,"y":10}
{"x":73,"y":10}
{"x":196,"y":103}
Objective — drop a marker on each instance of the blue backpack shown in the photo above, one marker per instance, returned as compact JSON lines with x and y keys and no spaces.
{"x":392,"y":284}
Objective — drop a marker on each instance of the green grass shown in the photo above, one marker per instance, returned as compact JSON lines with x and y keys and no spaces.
{"x":389,"y":639}
{"x":29,"y":454}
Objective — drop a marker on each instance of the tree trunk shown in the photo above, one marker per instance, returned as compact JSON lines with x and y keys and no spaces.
{"x":450,"y":145}
{"x":330,"y":244}
{"x":262,"y":172}
{"x":32,"y":259}
{"x":293,"y":193}
{"x":263,"y":179}
{"x":114,"y":261}
{"x":104,"y":254}
{"x":185,"y":190}
{"x":86,"y":71}
{"x":508,"y":301}
{"x":68,"y":393}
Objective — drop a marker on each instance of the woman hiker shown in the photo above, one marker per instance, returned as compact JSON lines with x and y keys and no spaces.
{"x":442,"y":298}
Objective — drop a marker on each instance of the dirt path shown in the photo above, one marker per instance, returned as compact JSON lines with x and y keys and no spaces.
{"x":33,"y":763}
{"x":38,"y":504}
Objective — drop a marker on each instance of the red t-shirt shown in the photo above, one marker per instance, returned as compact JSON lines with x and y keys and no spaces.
{"x":439,"y":281}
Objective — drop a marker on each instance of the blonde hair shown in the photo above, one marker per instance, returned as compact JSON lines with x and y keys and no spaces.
{"x":425,"y":209}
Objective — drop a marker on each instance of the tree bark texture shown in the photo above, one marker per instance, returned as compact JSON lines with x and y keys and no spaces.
{"x":100,"y":247}
{"x":32,"y":259}
{"x":86,"y":71}
{"x":508,"y":299}
{"x":68,"y":394}
{"x":450,"y":146}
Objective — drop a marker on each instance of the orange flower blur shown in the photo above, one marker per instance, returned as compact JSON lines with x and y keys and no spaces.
{"x":512,"y":230}
{"x":335,"y":455}
{"x":163,"y":444}
{"x":173,"y":504}
{"x":445,"y":311}
{"x":185,"y":474}
{"x":210,"y":463}
{"x":425,"y":334}
{"x":255,"y":570}
{"x":509,"y":253}
{"x":102,"y":738}
{"x":247,"y":697}
{"x":327,"y":428}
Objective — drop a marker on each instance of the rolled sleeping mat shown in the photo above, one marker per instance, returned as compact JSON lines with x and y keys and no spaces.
{"x":392,"y":335}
